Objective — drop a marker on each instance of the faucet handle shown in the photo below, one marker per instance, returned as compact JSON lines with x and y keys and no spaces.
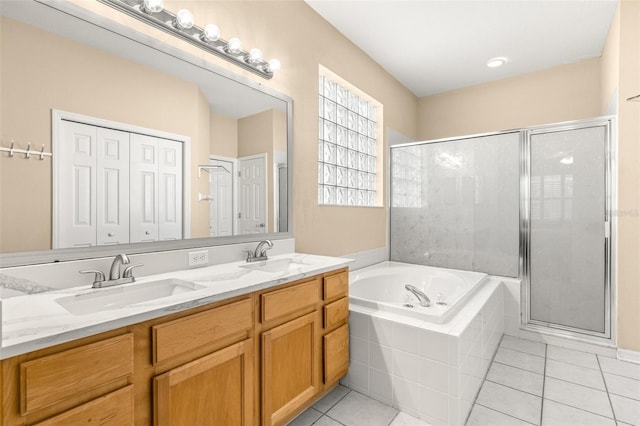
{"x":250,"y":255}
{"x":99,"y":277}
{"x":128,"y":271}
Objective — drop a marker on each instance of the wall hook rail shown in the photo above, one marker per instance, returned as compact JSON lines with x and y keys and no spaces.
{"x":12,"y":150}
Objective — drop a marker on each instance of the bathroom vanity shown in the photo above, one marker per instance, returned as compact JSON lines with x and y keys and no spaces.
{"x":223,"y":354}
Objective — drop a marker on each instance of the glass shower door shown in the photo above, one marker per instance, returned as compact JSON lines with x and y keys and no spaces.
{"x":568,"y":238}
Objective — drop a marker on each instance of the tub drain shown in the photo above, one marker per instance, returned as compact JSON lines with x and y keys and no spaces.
{"x":408,"y":305}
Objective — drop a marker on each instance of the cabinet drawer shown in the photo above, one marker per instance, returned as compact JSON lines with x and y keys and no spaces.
{"x":336,"y":354}
{"x":281,"y":303}
{"x":112,"y":409}
{"x":185,"y":334}
{"x":336,"y":312}
{"x":66,"y":375}
{"x":336,"y":285}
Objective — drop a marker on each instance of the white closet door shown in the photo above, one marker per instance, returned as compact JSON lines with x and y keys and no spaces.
{"x":76,"y":213}
{"x":170,"y":190}
{"x":112,"y":187}
{"x":143,"y":187}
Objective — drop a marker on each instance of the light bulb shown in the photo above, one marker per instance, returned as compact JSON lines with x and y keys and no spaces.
{"x":152,"y":6}
{"x":210,"y":33}
{"x":234,"y":45}
{"x":274,"y":65}
{"x":184,"y":19}
{"x":255,"y":56}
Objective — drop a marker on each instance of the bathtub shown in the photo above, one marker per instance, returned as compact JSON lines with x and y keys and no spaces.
{"x":382,"y":287}
{"x":426,"y":361}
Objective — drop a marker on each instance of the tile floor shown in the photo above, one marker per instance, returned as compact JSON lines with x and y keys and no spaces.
{"x":528,"y":383}
{"x":343,"y":406}
{"x":534,"y":383}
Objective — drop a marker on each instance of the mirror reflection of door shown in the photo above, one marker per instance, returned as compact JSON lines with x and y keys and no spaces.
{"x":252,"y":187}
{"x":221,"y":189}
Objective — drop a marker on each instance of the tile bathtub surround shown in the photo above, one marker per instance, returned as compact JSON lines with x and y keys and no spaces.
{"x":428,"y":371}
{"x":540,"y":384}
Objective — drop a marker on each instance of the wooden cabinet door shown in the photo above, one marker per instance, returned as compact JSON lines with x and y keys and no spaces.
{"x":215,"y":390}
{"x":290,"y":368}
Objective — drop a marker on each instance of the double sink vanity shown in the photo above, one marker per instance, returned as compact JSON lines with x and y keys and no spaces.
{"x":232,"y":344}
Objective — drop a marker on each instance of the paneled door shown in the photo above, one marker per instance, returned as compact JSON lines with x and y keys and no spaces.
{"x":112,"y":186}
{"x":252,"y":205}
{"x":75,"y":203}
{"x":169,"y":190}
{"x":221,"y":190}
{"x":144,"y":188}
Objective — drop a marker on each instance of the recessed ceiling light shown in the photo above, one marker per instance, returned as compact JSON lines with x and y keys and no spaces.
{"x":496,"y":62}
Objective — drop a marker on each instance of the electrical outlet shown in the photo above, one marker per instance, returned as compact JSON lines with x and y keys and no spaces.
{"x":197,"y":258}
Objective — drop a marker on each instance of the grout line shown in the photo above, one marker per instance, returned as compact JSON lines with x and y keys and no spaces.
{"x":515,"y":389}
{"x":523,"y":352}
{"x":484,"y":379}
{"x":349,"y":390}
{"x":577,"y":384}
{"x":579,"y":408}
{"x":544,"y":380}
{"x":394,"y":417}
{"x":606,"y":388}
{"x":519,"y":368}
{"x":506,"y":414}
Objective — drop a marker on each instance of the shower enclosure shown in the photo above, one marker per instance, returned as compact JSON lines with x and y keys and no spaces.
{"x":532,"y":203}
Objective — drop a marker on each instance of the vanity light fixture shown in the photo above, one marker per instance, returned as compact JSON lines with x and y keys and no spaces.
{"x":496,"y":62}
{"x":182,"y":25}
{"x":234,"y":46}
{"x":184,"y":20}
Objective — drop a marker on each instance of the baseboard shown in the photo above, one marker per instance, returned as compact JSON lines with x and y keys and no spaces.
{"x":628,"y":355}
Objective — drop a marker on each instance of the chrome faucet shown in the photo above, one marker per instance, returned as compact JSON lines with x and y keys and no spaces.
{"x":114,"y":273}
{"x":260,"y":253}
{"x":422,"y":298}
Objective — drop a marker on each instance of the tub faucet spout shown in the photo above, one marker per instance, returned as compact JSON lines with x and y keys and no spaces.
{"x":422,"y":298}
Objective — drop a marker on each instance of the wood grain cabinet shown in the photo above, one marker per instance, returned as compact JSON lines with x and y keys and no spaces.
{"x":260,"y":358}
{"x":214,"y":390}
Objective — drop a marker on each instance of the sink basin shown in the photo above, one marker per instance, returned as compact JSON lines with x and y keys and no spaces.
{"x":275,"y":265}
{"x":120,"y":296}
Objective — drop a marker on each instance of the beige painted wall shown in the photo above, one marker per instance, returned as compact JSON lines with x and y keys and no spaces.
{"x":308,"y":41}
{"x":628,"y":247}
{"x":224,"y":135}
{"x":563,"y":93}
{"x":569,"y":92}
{"x":35,"y":78}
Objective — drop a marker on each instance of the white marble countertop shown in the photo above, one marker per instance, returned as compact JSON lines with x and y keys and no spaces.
{"x":38,"y":321}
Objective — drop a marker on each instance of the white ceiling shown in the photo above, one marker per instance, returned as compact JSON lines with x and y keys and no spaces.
{"x":433,"y":46}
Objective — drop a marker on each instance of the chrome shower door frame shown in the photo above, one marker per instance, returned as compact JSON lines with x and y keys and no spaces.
{"x":608,"y":336}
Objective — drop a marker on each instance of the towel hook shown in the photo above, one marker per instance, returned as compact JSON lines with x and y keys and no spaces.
{"x":42,"y":152}
{"x":11,"y":149}
{"x":28,"y":153}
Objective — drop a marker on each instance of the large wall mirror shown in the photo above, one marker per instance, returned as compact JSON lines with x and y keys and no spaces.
{"x":152,"y":149}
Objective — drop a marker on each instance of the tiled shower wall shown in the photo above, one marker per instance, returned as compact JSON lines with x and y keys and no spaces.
{"x":431,"y":371}
{"x":455,"y":204}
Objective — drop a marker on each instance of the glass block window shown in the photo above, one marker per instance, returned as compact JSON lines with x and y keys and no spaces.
{"x":347,"y":147}
{"x":406,"y":180}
